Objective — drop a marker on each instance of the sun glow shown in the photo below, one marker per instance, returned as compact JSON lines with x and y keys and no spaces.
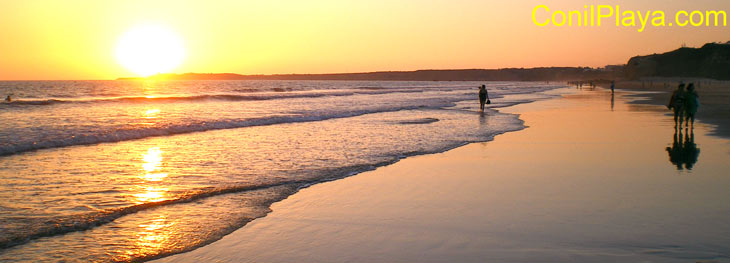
{"x":150,"y":49}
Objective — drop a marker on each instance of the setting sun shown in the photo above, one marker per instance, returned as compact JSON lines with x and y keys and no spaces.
{"x":148,"y":50}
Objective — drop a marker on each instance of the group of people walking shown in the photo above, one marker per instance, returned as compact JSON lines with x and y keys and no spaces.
{"x":684,"y":103}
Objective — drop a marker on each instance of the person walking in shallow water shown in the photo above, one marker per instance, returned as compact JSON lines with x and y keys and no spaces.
{"x":676,"y":103}
{"x":691,"y":103}
{"x":483,"y":97}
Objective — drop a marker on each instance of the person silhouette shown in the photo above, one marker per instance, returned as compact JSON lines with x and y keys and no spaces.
{"x":8,"y":99}
{"x":691,"y":104}
{"x":676,"y":103}
{"x":483,"y":96}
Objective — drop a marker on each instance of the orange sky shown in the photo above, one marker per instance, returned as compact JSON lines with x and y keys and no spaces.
{"x":76,"y":39}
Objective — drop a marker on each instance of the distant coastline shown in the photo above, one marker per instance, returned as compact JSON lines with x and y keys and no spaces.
{"x":711,"y":61}
{"x":511,"y":74}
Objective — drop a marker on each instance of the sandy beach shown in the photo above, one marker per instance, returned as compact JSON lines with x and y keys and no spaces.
{"x":591,"y":180}
{"x":714,"y":97}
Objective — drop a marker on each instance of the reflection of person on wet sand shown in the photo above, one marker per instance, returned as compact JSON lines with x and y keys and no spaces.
{"x":675,"y":152}
{"x":482,"y":119}
{"x":613,"y":85}
{"x":691,"y":152}
{"x":684,"y":152}
{"x":612,"y":102}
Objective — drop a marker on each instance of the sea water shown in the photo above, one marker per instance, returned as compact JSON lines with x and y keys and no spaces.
{"x":99,"y":171}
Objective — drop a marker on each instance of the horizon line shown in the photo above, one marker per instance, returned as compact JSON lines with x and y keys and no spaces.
{"x":335,"y":73}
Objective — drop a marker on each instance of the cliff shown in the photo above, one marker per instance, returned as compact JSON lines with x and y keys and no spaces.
{"x":709,"y":61}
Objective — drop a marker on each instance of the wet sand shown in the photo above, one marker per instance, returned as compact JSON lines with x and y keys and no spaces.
{"x":714,"y":99}
{"x":591,"y":180}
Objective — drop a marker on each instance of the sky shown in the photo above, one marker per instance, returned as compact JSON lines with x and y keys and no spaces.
{"x":76,"y":39}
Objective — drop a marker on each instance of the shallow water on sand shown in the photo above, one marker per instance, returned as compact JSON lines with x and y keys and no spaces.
{"x":127,"y":171}
{"x":591,"y":180}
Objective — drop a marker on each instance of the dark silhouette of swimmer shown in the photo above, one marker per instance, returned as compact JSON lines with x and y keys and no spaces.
{"x":8,"y":99}
{"x":684,"y":152}
{"x":483,"y":97}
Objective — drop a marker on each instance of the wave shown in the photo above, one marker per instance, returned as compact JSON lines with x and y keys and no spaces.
{"x":81,"y":222}
{"x":119,"y":135}
{"x":60,"y":226}
{"x":35,"y":102}
{"x":91,"y":219}
{"x":419,"y":121}
{"x":221,"y":97}
{"x":371,"y":88}
{"x":124,"y":134}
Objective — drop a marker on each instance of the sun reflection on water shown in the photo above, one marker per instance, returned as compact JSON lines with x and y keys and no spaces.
{"x":150,"y":116}
{"x":153,"y":165}
{"x":151,"y":194}
{"x":153,"y":236}
{"x":151,"y":113}
{"x":148,"y":190}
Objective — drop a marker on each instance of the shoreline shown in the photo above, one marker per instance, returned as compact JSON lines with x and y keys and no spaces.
{"x":714,"y":96}
{"x":224,"y":211}
{"x":290,"y":230}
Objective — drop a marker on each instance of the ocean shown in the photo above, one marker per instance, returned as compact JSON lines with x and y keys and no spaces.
{"x":121,"y":171}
